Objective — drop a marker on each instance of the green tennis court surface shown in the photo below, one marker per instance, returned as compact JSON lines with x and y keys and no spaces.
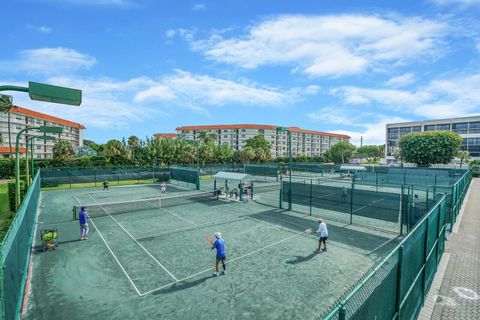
{"x":156,"y":263}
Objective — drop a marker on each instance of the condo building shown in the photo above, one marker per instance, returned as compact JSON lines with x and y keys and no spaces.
{"x":307,"y":142}
{"x":21,"y":118}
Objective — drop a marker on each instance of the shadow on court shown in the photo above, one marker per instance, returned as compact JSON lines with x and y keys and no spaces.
{"x":300,"y":259}
{"x":340,"y":234}
{"x":183,"y":285}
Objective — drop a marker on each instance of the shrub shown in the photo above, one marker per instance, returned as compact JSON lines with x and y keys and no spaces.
{"x":11,"y":194}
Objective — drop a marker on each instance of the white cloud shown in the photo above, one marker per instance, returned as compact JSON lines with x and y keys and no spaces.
{"x":199,"y":91}
{"x":42,"y":29}
{"x":461,"y":3}
{"x":312,"y":89}
{"x":106,"y":103}
{"x":453,"y":97}
{"x":332,"y":45}
{"x":401,"y":81}
{"x":199,"y":7}
{"x":331,"y":115}
{"x":170,"y":33}
{"x":49,"y":61}
{"x":372,"y":133}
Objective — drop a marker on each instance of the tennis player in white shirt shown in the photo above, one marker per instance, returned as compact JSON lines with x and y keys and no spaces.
{"x":323,"y":233}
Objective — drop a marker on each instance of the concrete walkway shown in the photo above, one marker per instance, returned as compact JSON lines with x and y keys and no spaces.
{"x":455,"y":291}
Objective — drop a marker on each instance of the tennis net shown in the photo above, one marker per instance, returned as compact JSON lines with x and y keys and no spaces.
{"x":111,"y":208}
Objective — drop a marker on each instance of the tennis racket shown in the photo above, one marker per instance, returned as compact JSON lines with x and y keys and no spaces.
{"x":309,"y":230}
{"x":209,"y":240}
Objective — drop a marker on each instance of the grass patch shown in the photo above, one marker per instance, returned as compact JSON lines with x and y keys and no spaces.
{"x":6,"y":216}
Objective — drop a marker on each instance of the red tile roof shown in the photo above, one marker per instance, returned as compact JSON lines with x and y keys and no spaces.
{"x":299,"y":130}
{"x":259,"y":126}
{"x":227,"y":126}
{"x":44,"y":116}
{"x":165,"y":135}
{"x":7,"y":150}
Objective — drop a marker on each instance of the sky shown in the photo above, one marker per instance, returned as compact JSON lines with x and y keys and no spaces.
{"x":148,"y":66}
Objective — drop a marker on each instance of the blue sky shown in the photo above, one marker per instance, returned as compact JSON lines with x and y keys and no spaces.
{"x":340,"y":66}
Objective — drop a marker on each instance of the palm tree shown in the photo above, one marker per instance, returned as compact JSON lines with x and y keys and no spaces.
{"x":6,"y":105}
{"x":464,"y":156}
{"x":133,"y":143}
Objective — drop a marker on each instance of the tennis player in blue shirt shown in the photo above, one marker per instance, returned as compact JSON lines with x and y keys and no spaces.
{"x":82,"y":218}
{"x":219,"y":244}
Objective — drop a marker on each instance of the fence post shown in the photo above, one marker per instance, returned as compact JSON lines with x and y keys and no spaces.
{"x":341,"y":313}
{"x":310,"y":197}
{"x":426,"y":202}
{"x":376,"y":180}
{"x":351,"y":200}
{"x":197,"y":184}
{"x":95,"y":177}
{"x":425,"y":260}
{"x":398,"y":300}
{"x":70,"y":180}
{"x":402,"y":207}
{"x":280,"y":198}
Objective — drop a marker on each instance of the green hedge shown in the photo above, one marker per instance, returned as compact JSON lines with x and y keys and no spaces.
{"x":11,"y":194}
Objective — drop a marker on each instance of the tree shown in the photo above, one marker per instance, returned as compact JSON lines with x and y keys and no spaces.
{"x":463,"y":155}
{"x":133,"y":145}
{"x":223,"y":153}
{"x":63,"y":152}
{"x":245,"y":155}
{"x":258,"y":142}
{"x":114,"y":148}
{"x":6,"y":105}
{"x":431,"y":147}
{"x":207,"y":138}
{"x":369,"y":151}
{"x":341,"y":152}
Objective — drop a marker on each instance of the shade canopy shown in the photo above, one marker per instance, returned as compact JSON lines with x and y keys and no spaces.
{"x":232,"y":176}
{"x":353,"y":168}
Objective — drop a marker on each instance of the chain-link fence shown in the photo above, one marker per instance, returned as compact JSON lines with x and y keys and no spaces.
{"x":397,"y":286}
{"x":15,"y":253}
{"x":85,"y":177}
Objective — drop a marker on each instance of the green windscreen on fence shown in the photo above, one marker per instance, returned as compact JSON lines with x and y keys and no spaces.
{"x":15,"y":253}
{"x":69,"y":176}
{"x":397,"y":286}
{"x":184,"y":174}
{"x":260,"y":170}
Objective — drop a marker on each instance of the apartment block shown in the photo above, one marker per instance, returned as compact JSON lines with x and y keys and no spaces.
{"x":467,"y":127}
{"x":21,"y":118}
{"x":308,"y":142}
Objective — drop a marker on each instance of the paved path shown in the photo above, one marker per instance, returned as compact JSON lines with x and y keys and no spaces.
{"x":458,"y":294}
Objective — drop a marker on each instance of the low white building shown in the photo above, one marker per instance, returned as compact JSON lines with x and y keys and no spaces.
{"x":467,"y":127}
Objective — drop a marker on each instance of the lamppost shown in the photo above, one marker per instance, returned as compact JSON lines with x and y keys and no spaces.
{"x":289,"y":139}
{"x":48,"y":93}
{"x":43,"y":129}
{"x":41,"y":92}
{"x":30,"y":140}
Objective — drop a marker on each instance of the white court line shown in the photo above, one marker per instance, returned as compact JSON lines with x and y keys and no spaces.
{"x":367,"y":205}
{"x":146,"y":251}
{"x":111,"y":252}
{"x":227,"y":262}
{"x":176,"y":215}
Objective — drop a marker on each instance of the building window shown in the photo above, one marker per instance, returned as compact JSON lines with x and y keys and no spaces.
{"x":416,"y":129}
{"x":474,"y":127}
{"x":443,"y":127}
{"x":244,"y":130}
{"x":430,"y":127}
{"x":460,"y":127}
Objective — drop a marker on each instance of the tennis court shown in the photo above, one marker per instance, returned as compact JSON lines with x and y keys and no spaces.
{"x":147,"y":257}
